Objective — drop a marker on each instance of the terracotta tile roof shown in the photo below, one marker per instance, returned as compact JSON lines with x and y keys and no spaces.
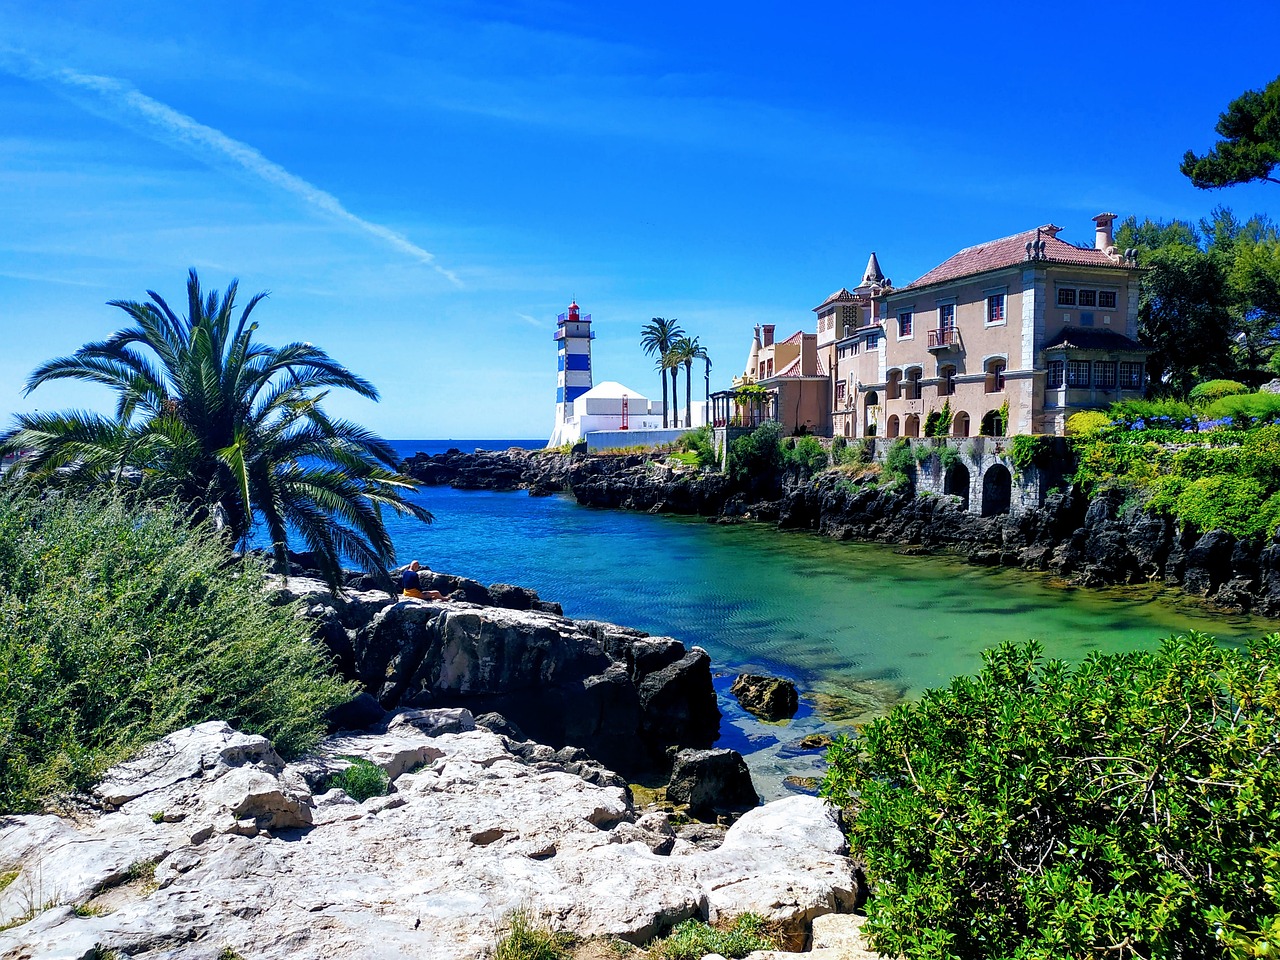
{"x":1009,"y":251}
{"x":794,"y":338}
{"x":1093,"y":338}
{"x":841,"y":294}
{"x":792,"y":369}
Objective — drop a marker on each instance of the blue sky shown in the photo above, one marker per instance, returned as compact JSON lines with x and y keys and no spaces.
{"x":423,"y":187}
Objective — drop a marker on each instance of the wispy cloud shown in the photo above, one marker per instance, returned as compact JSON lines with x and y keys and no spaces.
{"x":125,"y":104}
{"x":534,"y":321}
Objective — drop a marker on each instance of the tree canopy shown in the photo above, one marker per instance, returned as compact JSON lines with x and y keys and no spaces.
{"x":1250,"y":145}
{"x":230,"y":428}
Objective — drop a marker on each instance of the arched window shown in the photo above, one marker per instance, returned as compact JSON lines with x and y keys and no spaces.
{"x":891,"y":427}
{"x":995,"y":375}
{"x":913,"y":383}
{"x":992,"y":425}
{"x":893,"y":389}
{"x":960,"y":425}
{"x":911,"y":426}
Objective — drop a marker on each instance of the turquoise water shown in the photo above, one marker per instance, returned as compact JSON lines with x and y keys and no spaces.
{"x":834,"y":616}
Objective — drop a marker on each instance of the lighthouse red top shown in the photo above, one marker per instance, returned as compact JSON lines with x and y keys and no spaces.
{"x":573,"y":310}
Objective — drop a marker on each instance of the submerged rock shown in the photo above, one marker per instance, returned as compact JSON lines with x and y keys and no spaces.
{"x":769,"y":698}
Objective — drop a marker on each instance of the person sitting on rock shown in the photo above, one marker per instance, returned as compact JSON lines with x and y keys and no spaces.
{"x":411,"y":587}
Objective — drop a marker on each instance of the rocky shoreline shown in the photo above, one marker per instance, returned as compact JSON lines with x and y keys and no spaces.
{"x":1103,"y":541}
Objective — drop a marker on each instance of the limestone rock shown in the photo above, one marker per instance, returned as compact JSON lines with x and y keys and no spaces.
{"x":712,"y":782}
{"x":769,"y":698}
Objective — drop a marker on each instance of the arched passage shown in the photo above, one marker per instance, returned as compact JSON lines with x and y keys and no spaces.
{"x":957,"y":483}
{"x":960,"y":425}
{"x":997,"y":490}
{"x":891,"y":427}
{"x":992,"y":425}
{"x":911,"y":426}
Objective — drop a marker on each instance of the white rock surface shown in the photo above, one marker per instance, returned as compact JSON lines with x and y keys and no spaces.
{"x":248,"y":858}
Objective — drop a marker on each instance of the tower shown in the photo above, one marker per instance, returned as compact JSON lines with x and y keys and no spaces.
{"x":573,"y":338}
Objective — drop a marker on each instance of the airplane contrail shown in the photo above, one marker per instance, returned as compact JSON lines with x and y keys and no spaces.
{"x":125,"y":103}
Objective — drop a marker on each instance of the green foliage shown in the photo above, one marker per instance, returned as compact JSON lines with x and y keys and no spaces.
{"x":526,"y":939}
{"x":119,"y":626}
{"x":756,"y":454}
{"x":1238,"y":505}
{"x":361,"y":780}
{"x":230,"y":428}
{"x":1250,"y":144}
{"x":807,"y":455}
{"x":1247,"y":409}
{"x":1086,"y":423}
{"x":1183,"y":312}
{"x":938,"y":422}
{"x":694,"y":939}
{"x":948,"y":456}
{"x":698,"y":443}
{"x":1153,"y":413}
{"x":229,"y":954}
{"x":1043,"y":811}
{"x":859,"y":452}
{"x":1203,"y":394}
{"x":1025,"y":450}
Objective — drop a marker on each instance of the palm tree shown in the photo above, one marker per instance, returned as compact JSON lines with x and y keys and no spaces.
{"x":656,"y":337}
{"x":231,"y":428}
{"x":688,"y":350}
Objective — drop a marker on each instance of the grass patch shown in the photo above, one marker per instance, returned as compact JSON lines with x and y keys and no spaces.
{"x":361,"y":781}
{"x":119,"y":625}
{"x":7,"y":877}
{"x":694,"y":939}
{"x":526,"y":939}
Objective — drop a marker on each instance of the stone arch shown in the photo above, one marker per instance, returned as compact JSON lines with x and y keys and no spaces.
{"x":994,"y":370}
{"x":848,"y":421}
{"x":991,"y":425}
{"x":997,"y":490}
{"x":946,"y":379}
{"x":891,"y":426}
{"x":911,"y":425}
{"x":956,"y":482}
{"x":893,"y":385}
{"x":960,"y":425}
{"x":913,"y":377}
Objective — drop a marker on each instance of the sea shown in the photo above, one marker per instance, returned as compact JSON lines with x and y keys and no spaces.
{"x":857,"y":626}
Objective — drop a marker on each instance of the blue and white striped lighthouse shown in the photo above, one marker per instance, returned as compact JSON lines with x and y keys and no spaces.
{"x":573,"y":347}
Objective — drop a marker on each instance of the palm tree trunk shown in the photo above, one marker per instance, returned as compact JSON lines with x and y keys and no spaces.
{"x":688,"y":394}
{"x":675,"y":399}
{"x":662,"y":375}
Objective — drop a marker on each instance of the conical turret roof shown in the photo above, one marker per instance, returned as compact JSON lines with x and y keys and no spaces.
{"x":873,"y":273}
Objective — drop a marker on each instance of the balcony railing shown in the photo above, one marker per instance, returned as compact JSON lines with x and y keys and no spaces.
{"x":943,"y":338}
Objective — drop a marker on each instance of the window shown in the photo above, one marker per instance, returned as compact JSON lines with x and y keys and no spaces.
{"x":1130,"y":376}
{"x":849,"y":314}
{"x":913,"y":383}
{"x":995,"y":376}
{"x":1107,"y":299}
{"x":1055,"y":374}
{"x":904,"y":325}
{"x":873,"y":341}
{"x":947,"y":381}
{"x":1104,"y":374}
{"x":1077,"y":373}
{"x":995,"y":308}
{"x":946,"y":316}
{"x":1066,"y":297}
{"x":1088,"y":298}
{"x":840,"y":385}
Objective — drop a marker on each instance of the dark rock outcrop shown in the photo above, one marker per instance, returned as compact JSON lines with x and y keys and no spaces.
{"x":712,"y":782}
{"x":769,"y":698}
{"x":539,"y":471}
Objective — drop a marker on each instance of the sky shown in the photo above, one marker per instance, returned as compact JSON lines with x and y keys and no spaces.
{"x":423,"y":187}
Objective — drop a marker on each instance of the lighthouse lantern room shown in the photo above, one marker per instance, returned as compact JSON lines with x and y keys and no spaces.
{"x":573,"y":338}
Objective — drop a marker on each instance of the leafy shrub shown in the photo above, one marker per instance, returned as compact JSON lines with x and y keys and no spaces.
{"x":698,"y":443}
{"x":948,"y":456}
{"x":1247,"y":409}
{"x":1141,"y":414}
{"x":857,"y":452}
{"x":693,"y":939}
{"x":1238,"y":505}
{"x":807,"y":454}
{"x":1026,"y":450}
{"x":362,"y":780}
{"x":938,"y":422}
{"x":118,"y":626}
{"x":898,"y":463}
{"x":1086,"y":423}
{"x":1203,"y":394}
{"x":525,"y":939}
{"x":756,"y":454}
{"x":1042,"y":811}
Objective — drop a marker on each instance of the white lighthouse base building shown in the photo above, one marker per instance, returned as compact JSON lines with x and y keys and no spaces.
{"x":628,"y":417}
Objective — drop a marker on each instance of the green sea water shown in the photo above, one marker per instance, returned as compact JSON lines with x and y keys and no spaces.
{"x":857,"y":626}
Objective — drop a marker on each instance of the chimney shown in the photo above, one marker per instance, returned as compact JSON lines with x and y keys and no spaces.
{"x":1104,"y":240}
{"x":809,"y":355}
{"x":1050,"y":230}
{"x":768,"y":334}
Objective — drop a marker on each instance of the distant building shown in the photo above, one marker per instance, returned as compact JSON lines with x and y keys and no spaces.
{"x":573,"y":338}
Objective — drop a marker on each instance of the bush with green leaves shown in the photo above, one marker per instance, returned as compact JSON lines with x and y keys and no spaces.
{"x":807,"y":455}
{"x":698,"y":442}
{"x":694,"y":939}
{"x":1203,"y":394}
{"x":1026,"y":451}
{"x":361,"y":780}
{"x":119,"y":625}
{"x":1153,"y":413}
{"x":757,"y":454}
{"x":1086,"y":423}
{"x":1246,"y":409}
{"x":1125,"y":807}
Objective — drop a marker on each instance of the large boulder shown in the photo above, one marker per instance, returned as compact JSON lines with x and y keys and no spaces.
{"x":712,"y":782}
{"x":678,"y":703}
{"x":769,"y":698}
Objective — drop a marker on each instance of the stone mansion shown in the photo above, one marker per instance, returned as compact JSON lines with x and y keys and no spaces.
{"x":1008,"y":336}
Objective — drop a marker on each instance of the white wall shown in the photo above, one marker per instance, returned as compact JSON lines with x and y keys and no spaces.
{"x":614,"y":439}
